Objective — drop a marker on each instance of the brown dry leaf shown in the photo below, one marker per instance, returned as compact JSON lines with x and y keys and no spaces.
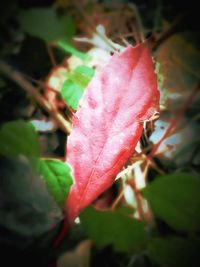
{"x":180,"y":64}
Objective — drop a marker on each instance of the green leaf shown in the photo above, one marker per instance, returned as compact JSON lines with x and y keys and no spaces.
{"x":71,"y":93}
{"x":44,"y":23}
{"x":74,"y":86}
{"x":175,"y":252}
{"x":58,"y":178}
{"x":114,"y":228}
{"x":175,"y":198}
{"x":18,"y":138}
{"x":82,"y":75}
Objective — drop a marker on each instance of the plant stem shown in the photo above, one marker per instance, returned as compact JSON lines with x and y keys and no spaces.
{"x":51,"y":55}
{"x":117,"y":200}
{"x":19,"y":79}
{"x":138,"y":199}
{"x":153,"y":164}
{"x":134,"y":8}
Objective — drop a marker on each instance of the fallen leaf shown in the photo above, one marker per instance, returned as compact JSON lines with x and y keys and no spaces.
{"x":180,"y":60}
{"x":108,"y":123}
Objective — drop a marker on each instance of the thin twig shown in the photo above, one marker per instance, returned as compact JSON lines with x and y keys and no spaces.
{"x":117,"y":200}
{"x":153,"y":164}
{"x":138,"y":198}
{"x":139,"y":23}
{"x":19,"y":79}
{"x":51,"y":55}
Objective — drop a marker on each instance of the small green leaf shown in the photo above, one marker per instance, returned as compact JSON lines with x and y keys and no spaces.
{"x":175,"y":252}
{"x":175,"y":198}
{"x":58,"y":178}
{"x":82,"y":75}
{"x":114,"y":228}
{"x":18,"y":138}
{"x":74,"y":86}
{"x":45,"y":23}
{"x":71,"y":93}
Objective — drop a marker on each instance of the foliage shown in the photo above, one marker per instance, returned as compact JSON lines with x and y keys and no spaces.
{"x":121,"y":127}
{"x":57,"y":176}
{"x":45,"y":23}
{"x":93,"y":172}
{"x":175,"y":199}
{"x":114,"y":228}
{"x":12,"y":144}
{"x":75,"y":84}
{"x":55,"y":173}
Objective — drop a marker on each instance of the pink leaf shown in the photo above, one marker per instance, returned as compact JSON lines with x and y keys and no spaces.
{"x":108,"y":123}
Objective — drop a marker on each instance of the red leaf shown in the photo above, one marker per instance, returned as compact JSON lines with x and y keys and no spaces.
{"x":108,"y":123}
